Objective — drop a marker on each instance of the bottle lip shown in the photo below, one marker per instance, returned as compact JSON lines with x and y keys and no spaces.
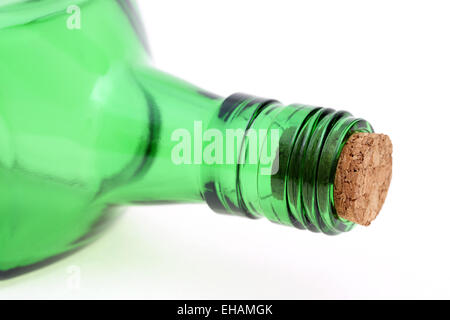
{"x":18,"y":12}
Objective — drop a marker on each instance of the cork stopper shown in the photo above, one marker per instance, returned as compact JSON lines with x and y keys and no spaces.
{"x":362,"y":177}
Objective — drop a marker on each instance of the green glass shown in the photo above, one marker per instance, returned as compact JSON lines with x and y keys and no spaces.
{"x":88,"y":126}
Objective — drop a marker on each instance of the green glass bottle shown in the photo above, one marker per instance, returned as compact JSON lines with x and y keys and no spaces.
{"x":88,"y":126}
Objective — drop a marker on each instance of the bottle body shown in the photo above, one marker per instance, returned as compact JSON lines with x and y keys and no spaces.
{"x":80,"y":129}
{"x":87,"y":126}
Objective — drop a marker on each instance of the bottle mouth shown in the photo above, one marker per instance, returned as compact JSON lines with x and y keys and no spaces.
{"x":312,"y":167}
{"x":18,"y":12}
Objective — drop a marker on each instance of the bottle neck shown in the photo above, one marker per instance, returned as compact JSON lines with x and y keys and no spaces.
{"x":243,"y":155}
{"x":285,"y":162}
{"x":175,"y":112}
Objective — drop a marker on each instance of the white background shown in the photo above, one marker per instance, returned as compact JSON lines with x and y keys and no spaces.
{"x":385,"y":61}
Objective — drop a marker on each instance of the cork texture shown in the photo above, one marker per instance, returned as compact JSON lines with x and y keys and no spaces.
{"x":363,"y":176}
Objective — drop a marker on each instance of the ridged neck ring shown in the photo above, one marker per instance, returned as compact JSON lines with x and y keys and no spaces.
{"x":292,"y":186}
